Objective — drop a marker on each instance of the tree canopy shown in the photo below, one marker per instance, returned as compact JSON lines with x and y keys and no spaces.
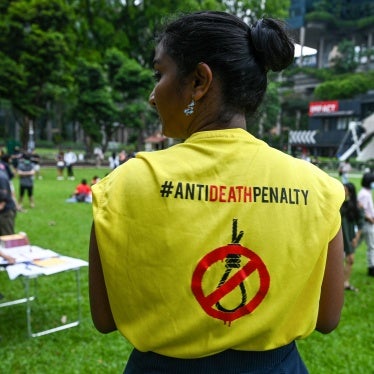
{"x":92,"y":58}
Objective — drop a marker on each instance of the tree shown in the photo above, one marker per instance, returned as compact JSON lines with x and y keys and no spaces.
{"x":34,"y":40}
{"x":94,"y":109}
{"x":254,"y":9}
{"x":345,"y":86}
{"x":131,"y":85}
{"x":98,"y":27}
{"x":42,"y":40}
{"x":345,"y":60}
{"x":267,"y":117}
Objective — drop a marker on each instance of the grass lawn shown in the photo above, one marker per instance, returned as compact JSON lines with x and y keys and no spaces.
{"x":64,"y":228}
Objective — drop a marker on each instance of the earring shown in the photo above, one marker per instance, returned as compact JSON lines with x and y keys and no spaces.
{"x":190,"y":108}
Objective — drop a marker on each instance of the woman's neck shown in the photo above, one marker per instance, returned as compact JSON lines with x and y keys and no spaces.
{"x":237,"y":121}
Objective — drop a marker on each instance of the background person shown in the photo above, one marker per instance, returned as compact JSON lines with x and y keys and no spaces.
{"x":99,"y":156}
{"x":60,"y":165}
{"x":82,"y":193}
{"x":199,"y":254}
{"x":35,"y":160}
{"x":70,"y":158}
{"x":365,"y":199}
{"x":26,"y":172}
{"x":15,"y":157}
{"x":122,"y":157}
{"x":94,"y":180}
{"x":5,"y":167}
{"x":8,"y":209}
{"x":352,"y":223}
{"x":113,"y":161}
{"x":344,"y":169}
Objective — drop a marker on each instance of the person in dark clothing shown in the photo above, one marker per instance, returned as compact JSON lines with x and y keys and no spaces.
{"x":7,"y":206}
{"x":352,"y":224}
{"x":26,"y":174}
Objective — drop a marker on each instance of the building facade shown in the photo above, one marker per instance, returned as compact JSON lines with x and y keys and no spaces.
{"x":334,"y":126}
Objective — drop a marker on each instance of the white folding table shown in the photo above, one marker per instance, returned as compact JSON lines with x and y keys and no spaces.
{"x":29,"y":272}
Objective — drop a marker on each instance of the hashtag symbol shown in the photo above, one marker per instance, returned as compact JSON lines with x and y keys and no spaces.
{"x":166,"y":189}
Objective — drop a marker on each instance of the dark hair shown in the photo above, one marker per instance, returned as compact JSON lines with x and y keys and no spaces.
{"x":3,"y":196}
{"x":239,"y":55}
{"x":350,"y":207}
{"x":5,"y":157}
{"x":367,"y":179}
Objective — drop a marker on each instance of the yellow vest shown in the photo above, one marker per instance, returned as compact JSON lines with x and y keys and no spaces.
{"x":219,"y":242}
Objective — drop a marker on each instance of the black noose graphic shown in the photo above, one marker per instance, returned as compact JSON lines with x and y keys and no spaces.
{"x":233,"y":262}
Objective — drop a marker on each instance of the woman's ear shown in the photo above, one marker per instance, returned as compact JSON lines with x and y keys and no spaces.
{"x":202,"y":80}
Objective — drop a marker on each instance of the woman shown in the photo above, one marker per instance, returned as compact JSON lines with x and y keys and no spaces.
{"x":83,"y":192}
{"x":113,"y":161}
{"x":60,"y":165}
{"x":216,"y":254}
{"x":352,"y":224}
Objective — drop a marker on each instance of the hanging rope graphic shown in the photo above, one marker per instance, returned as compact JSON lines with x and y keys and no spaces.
{"x":233,"y":262}
{"x":241,"y":264}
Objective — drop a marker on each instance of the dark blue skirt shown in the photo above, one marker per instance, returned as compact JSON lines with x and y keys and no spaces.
{"x":284,"y":360}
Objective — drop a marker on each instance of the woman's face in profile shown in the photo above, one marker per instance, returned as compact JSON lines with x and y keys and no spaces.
{"x":169,"y":97}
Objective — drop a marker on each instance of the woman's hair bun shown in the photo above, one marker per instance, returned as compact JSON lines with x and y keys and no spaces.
{"x":272,"y":45}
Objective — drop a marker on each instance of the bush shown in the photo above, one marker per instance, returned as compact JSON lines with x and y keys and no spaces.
{"x":345,"y":88}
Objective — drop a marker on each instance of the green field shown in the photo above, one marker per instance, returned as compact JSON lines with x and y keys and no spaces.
{"x":65,"y":228}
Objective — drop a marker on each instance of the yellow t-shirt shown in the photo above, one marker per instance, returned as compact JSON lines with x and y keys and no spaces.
{"x":219,"y":242}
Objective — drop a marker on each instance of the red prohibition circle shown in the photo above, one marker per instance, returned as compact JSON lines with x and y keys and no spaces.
{"x":209,"y":301}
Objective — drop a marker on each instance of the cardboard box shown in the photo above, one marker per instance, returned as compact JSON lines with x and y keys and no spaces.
{"x":15,"y":240}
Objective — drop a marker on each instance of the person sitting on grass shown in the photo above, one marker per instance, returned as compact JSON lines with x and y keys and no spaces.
{"x":82,"y":193}
{"x":95,"y":179}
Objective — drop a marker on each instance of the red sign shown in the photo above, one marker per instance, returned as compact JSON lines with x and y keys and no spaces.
{"x":319,"y":107}
{"x":208,"y":301}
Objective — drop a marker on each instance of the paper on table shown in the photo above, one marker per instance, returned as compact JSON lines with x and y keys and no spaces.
{"x":27,"y":253}
{"x":48,"y":262}
{"x":30,"y":270}
{"x":22,"y":269}
{"x":69,"y":264}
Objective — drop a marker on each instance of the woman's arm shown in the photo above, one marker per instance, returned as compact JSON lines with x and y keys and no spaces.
{"x":11,"y":260}
{"x":100,"y":309}
{"x":332,"y":292}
